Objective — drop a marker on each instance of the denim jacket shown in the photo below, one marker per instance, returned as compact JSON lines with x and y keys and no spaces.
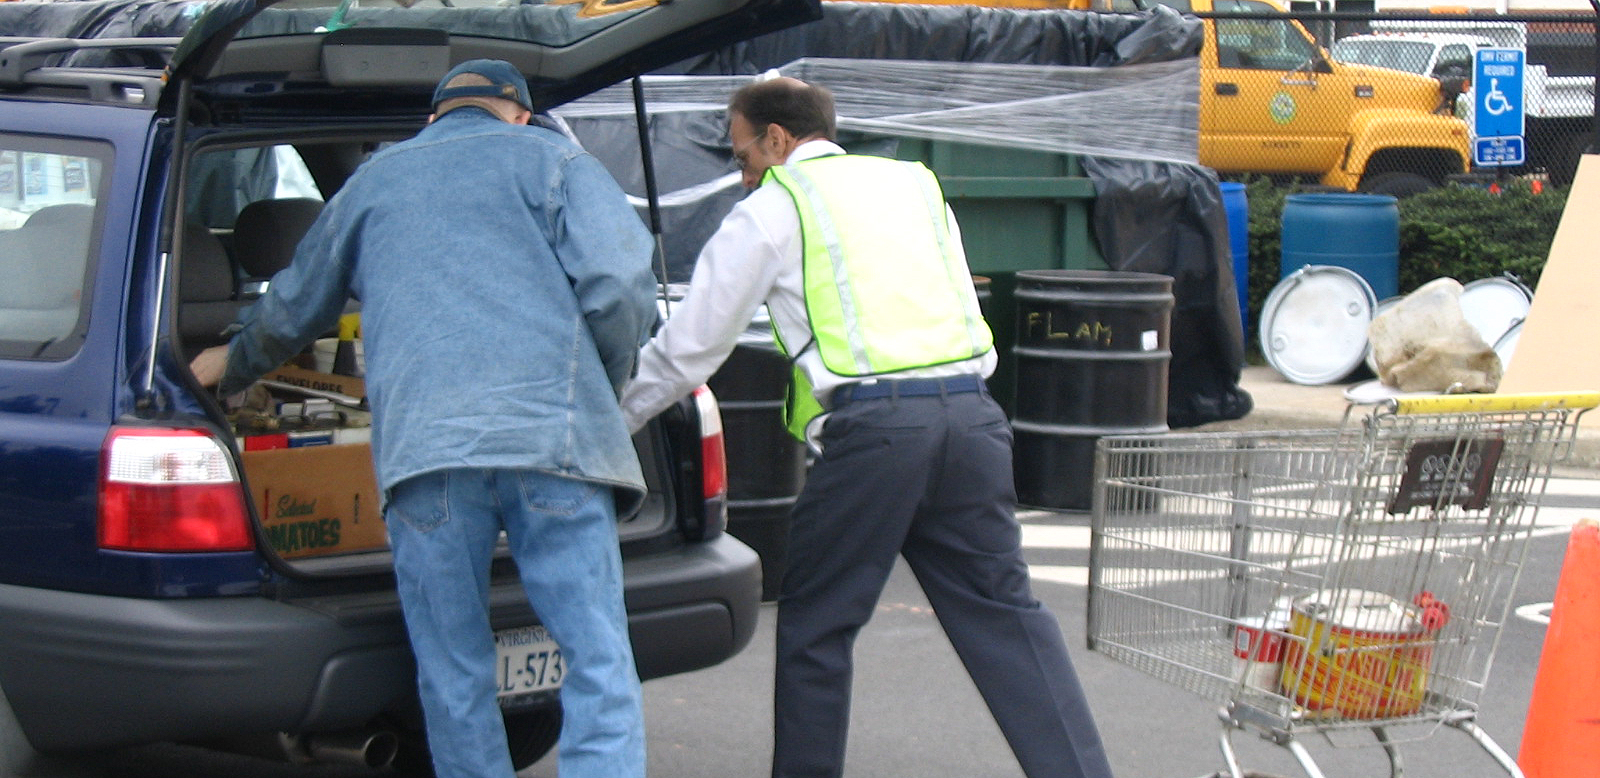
{"x":506,"y":288}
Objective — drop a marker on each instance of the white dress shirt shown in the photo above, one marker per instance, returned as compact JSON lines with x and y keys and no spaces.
{"x":754,"y":256}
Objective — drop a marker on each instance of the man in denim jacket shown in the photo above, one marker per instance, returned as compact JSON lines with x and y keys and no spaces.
{"x":506,"y":289}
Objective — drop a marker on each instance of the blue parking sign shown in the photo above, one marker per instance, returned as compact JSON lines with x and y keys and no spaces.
{"x":1497,"y":107}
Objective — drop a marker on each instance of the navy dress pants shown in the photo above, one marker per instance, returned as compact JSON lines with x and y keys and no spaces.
{"x":929,"y":478}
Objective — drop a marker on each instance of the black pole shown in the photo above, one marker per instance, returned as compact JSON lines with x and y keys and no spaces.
{"x":647,"y":157}
{"x":1594,"y":121}
{"x":651,"y":195}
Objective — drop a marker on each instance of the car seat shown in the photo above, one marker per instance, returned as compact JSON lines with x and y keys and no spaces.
{"x":43,"y":269}
{"x":207,"y":298}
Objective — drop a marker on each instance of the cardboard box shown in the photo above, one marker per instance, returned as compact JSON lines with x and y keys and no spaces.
{"x":324,"y":384}
{"x":1554,"y":352}
{"x":317,"y":500}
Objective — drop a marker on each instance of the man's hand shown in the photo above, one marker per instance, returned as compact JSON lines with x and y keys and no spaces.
{"x":209,"y":365}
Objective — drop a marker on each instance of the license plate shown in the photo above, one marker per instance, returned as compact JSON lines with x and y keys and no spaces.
{"x":528,"y":661}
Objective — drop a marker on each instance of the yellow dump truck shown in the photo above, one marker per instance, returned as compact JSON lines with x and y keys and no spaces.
{"x":1273,"y":101}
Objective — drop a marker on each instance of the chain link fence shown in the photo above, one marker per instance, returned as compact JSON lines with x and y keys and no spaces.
{"x":1310,"y":100}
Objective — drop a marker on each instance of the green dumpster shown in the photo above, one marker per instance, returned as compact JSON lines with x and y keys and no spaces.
{"x":1018,"y":209}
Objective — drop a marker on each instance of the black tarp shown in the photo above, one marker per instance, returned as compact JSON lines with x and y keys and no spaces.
{"x":957,"y":33}
{"x":1158,"y":217}
{"x":98,"y":19}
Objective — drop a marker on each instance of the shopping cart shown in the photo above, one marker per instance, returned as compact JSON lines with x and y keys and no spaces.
{"x":1329,"y":580}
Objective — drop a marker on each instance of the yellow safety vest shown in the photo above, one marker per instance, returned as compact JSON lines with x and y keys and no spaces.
{"x":886,"y":289}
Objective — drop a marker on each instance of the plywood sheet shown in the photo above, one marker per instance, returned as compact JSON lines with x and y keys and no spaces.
{"x":1559,"y":349}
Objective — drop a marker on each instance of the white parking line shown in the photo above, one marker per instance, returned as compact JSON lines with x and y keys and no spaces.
{"x":1574,"y":487}
{"x":1047,"y":536}
{"x":1061,"y":574}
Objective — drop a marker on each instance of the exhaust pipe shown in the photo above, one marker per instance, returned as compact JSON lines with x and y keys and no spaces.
{"x":363,"y":747}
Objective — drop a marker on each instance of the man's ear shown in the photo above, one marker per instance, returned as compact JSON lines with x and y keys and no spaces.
{"x":783,"y":139}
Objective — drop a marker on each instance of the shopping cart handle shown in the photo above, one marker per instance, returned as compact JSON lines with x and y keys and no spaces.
{"x":1491,"y":403}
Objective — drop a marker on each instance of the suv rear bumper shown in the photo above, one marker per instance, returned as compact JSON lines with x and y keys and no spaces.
{"x":86,"y":671}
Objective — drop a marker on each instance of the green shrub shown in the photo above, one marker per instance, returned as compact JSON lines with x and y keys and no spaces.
{"x":1265,"y":200}
{"x":1462,"y":232}
{"x":1468,"y":233}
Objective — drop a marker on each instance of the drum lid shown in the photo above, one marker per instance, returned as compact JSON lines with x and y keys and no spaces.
{"x":1493,"y":305}
{"x":1507,"y":345}
{"x":1314,"y":324}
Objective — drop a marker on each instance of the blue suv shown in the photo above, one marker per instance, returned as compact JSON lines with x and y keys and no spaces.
{"x":171,"y":570}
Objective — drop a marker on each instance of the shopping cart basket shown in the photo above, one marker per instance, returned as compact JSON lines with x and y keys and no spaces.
{"x":1346,"y":579}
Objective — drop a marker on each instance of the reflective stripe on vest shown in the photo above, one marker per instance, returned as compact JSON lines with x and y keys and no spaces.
{"x":886,"y":288}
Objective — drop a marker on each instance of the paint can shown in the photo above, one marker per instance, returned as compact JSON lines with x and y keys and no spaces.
{"x":1258,"y":648}
{"x":1356,"y":653}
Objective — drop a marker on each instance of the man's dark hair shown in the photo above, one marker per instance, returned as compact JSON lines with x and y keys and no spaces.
{"x":802,"y":109}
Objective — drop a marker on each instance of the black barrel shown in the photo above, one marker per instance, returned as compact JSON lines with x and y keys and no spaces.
{"x":1091,"y":356}
{"x":766,"y":465}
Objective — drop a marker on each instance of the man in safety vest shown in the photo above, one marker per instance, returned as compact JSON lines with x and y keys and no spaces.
{"x":861,"y":266}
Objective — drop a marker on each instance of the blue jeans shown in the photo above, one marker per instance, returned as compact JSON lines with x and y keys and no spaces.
{"x":443,"y":527}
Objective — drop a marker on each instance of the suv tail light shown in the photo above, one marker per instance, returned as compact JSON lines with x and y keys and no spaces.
{"x":713,"y":463}
{"x":170,"y":490}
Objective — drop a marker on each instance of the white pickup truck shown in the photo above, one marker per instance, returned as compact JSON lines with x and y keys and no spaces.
{"x":1559,"y":109}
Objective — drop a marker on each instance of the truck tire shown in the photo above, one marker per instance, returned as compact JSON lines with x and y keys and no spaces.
{"x":1398,"y":183}
{"x":530,"y":734}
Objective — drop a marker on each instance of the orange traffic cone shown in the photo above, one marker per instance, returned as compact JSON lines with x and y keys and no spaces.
{"x":1561,"y":738}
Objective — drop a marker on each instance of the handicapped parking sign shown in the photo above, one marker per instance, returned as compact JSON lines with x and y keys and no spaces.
{"x":1497,"y":110}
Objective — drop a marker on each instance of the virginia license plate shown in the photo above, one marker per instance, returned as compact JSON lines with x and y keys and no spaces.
{"x":529,"y":661}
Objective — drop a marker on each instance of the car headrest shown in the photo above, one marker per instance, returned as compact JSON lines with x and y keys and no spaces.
{"x":267,"y":232}
{"x":64,"y":217}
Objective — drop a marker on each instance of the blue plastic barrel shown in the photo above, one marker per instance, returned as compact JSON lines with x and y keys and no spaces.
{"x":1237,"y":207}
{"x":1358,"y":232}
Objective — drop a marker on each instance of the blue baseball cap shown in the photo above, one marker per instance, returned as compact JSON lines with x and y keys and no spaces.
{"x":505,"y":82}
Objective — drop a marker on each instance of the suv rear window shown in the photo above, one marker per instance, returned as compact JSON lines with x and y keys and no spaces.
{"x":49,"y":191}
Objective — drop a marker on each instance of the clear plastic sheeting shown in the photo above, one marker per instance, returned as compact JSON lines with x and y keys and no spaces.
{"x":1133,"y":111}
{"x":1146,"y":112}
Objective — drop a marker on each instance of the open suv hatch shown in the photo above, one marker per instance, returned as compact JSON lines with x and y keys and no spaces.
{"x":171,"y":571}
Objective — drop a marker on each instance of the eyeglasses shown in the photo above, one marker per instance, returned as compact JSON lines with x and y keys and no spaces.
{"x":741,"y":154}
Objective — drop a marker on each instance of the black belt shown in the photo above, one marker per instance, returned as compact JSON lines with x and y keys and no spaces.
{"x":906,"y":387}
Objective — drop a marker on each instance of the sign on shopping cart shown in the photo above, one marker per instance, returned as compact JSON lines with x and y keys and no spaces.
{"x":1448,"y":471}
{"x":1497,"y":108}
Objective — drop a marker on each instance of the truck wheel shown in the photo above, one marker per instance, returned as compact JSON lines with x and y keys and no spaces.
{"x":530,"y":734}
{"x":1397,"y":183}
